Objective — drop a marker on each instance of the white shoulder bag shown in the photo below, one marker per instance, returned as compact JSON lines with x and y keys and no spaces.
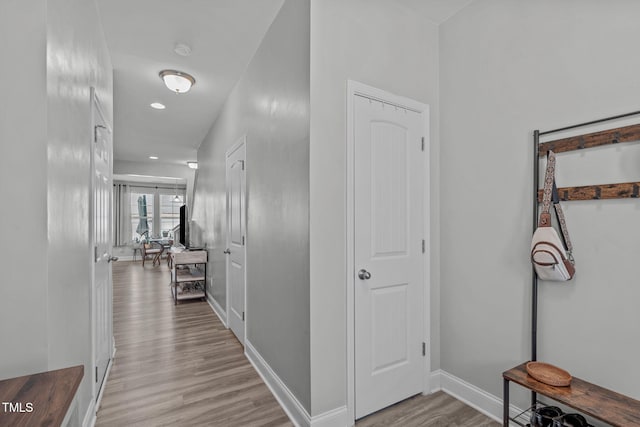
{"x":552,"y":256}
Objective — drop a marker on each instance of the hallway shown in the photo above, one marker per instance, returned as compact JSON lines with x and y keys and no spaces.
{"x":177,"y":365}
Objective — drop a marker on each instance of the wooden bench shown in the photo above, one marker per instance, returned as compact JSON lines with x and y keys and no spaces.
{"x":41,"y":399}
{"x":586,"y":398}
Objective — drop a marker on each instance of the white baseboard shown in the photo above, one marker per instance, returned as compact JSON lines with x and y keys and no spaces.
{"x":335,"y":418}
{"x":106,"y":376}
{"x":293,"y":408}
{"x":434,"y":381}
{"x":90,"y":415}
{"x":482,"y":401}
{"x":217,"y":309}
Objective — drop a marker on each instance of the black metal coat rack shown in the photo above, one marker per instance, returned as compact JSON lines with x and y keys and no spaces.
{"x":591,"y":192}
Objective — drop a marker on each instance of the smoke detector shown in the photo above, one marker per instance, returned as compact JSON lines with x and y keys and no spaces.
{"x":182,"y":49}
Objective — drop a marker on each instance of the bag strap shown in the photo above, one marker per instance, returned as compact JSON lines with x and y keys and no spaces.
{"x":549,"y":195}
{"x":562,"y":222}
{"x":549,"y":181}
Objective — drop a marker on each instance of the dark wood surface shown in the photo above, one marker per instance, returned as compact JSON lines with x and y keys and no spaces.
{"x":622,"y":190}
{"x":49,"y":393}
{"x":595,"y":139}
{"x":586,"y":398}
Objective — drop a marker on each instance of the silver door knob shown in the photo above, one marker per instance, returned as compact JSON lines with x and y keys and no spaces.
{"x":364,"y":274}
{"x":113,"y":258}
{"x":227,"y":251}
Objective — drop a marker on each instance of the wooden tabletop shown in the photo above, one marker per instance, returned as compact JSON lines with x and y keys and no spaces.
{"x":592,"y":400}
{"x":40,"y":399}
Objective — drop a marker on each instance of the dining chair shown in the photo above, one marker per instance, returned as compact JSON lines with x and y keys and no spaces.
{"x":152,"y":249}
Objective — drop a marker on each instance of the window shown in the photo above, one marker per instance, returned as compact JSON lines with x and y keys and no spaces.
{"x":169,"y":213}
{"x":151,"y":212}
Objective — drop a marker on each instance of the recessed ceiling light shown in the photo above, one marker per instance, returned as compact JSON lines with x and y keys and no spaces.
{"x":177,"y":81}
{"x":153,"y":157}
{"x":193,"y":165}
{"x":158,"y":106}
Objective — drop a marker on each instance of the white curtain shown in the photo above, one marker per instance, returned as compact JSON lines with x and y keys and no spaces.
{"x":121,"y":215}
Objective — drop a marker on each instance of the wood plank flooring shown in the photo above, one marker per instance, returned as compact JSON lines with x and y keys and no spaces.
{"x":436,"y":410}
{"x":179,"y":366}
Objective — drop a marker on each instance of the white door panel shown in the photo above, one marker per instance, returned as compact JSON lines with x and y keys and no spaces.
{"x":235,"y":164}
{"x":101,"y":146}
{"x":389,"y":183}
{"x":389,"y":305}
{"x":389,"y":325}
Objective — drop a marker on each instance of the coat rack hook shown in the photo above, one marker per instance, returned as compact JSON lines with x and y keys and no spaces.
{"x":636,"y":190}
{"x":598,"y":193}
{"x":565,"y":195}
{"x":616,"y":138}
{"x":581,"y":143}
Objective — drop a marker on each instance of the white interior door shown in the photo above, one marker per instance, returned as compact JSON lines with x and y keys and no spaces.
{"x":236,"y":230}
{"x":388,"y":258}
{"x":101,"y":234}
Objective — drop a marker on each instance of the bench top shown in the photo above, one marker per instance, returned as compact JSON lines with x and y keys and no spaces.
{"x":41,"y":399}
{"x":590,"y":399}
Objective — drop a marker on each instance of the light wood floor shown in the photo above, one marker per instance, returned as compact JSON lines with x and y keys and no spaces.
{"x":436,"y":410}
{"x":179,"y":366}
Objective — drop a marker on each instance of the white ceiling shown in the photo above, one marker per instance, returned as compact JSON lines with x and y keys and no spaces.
{"x":223,"y":35}
{"x":141,"y":36}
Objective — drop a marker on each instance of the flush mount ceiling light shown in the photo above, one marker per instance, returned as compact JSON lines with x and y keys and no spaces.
{"x":177,"y":81}
{"x":157,"y":106}
{"x":153,"y":157}
{"x":193,"y":165}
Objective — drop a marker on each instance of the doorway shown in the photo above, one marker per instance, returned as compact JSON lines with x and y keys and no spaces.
{"x":387,"y":247}
{"x":236,"y":235}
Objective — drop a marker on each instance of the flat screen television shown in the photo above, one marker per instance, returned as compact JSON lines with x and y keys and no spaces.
{"x":182,"y":238}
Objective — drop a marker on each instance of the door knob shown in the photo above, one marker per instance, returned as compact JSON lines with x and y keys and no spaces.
{"x":364,"y":274}
{"x":227,"y":251}
{"x":113,"y":258}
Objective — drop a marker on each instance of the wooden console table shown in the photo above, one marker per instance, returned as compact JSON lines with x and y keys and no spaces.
{"x":40,"y":399}
{"x":589,"y":399}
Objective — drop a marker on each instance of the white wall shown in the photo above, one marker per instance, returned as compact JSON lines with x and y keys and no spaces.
{"x":45,"y":141}
{"x":76,"y":60}
{"x":270,"y":105}
{"x":508,"y":68}
{"x":23,"y":174}
{"x":384,"y":45}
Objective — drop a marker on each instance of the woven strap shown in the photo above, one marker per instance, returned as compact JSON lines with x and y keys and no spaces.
{"x":550,"y":194}
{"x":549,"y":180}
{"x":563,"y":223}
